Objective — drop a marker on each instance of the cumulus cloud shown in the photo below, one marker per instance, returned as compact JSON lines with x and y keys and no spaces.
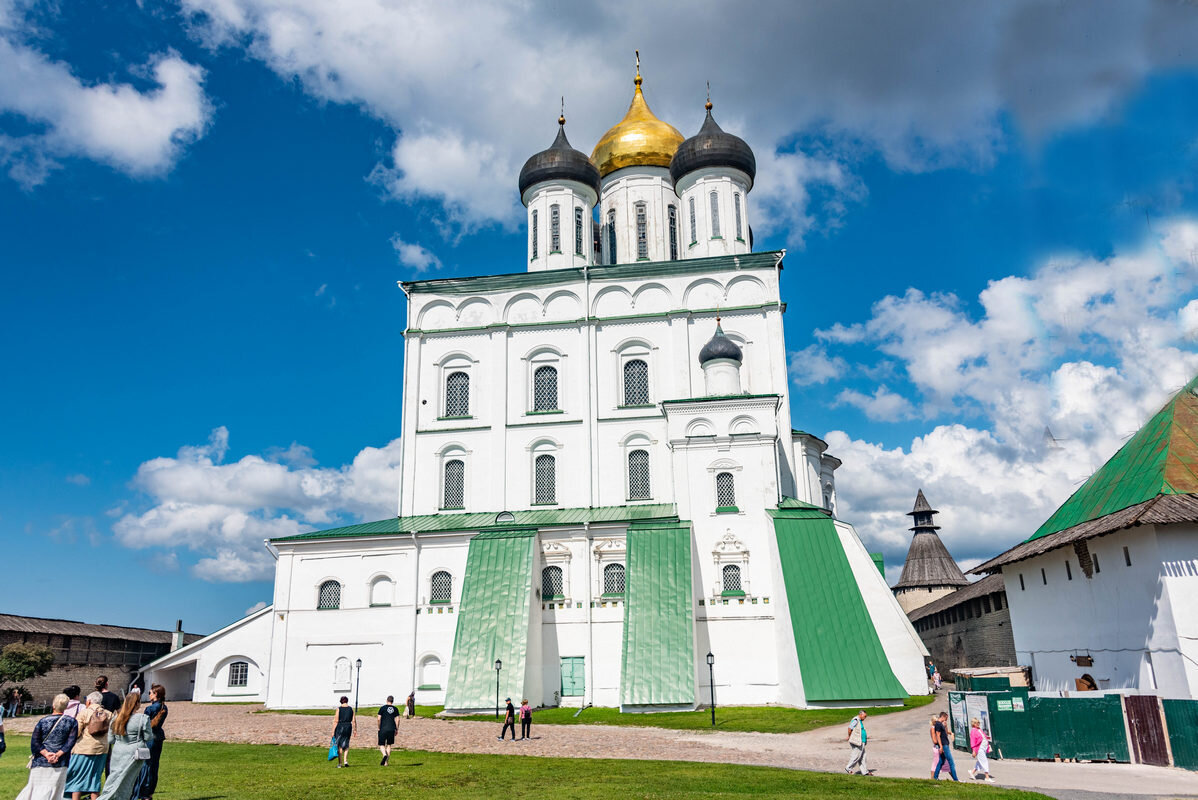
{"x":472,"y":88}
{"x":813,"y":365}
{"x":142,"y":133}
{"x":256,"y":607}
{"x":79,"y":479}
{"x":1085,"y":348}
{"x":883,"y":405}
{"x":414,"y":256}
{"x":223,"y":511}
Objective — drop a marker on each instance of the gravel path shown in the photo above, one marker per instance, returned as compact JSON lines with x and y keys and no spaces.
{"x":898,"y":747}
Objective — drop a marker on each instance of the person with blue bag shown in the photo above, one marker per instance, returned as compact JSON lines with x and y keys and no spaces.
{"x":343,"y":729}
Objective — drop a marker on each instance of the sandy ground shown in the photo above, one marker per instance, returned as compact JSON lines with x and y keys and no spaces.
{"x":898,"y":747}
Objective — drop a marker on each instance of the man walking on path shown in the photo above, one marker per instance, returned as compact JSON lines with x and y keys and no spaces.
{"x":944,"y":740}
{"x":856,"y":739}
{"x":388,"y":723}
{"x":509,"y":720}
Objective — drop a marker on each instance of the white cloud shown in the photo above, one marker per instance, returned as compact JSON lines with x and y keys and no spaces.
{"x":472,"y":88}
{"x":1086,"y":348}
{"x":256,"y":607}
{"x":223,"y":511}
{"x":413,"y":255}
{"x":813,"y":365}
{"x":883,"y":405}
{"x":142,"y":133}
{"x":79,"y":479}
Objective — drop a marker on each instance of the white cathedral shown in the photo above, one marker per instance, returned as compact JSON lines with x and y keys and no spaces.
{"x":603,"y":498}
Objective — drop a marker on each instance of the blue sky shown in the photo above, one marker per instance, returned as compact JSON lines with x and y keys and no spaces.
{"x":204,"y":209}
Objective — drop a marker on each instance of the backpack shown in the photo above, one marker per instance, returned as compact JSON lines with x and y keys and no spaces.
{"x":98,"y":724}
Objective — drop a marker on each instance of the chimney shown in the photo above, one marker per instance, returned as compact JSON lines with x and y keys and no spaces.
{"x":177,"y":636}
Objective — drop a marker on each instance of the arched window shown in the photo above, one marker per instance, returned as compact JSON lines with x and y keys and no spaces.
{"x":441,"y":587}
{"x":694,"y":224}
{"x":672,"y":212}
{"x":736,"y":211}
{"x":329,"y":596}
{"x":551,"y":582}
{"x":715,"y":215}
{"x":544,"y":389}
{"x":638,"y":475}
{"x":546,"y":479}
{"x":555,"y":228}
{"x":725,"y":490}
{"x":239,"y":674}
{"x":613,"y":579}
{"x":578,"y":230}
{"x":642,"y":232}
{"x":341,"y":670}
{"x":535,"y":230}
{"x":382,"y":591}
{"x":457,"y":395}
{"x":636,"y":382}
{"x":611,"y":236}
{"x":430,"y":673}
{"x":731,"y":577}
{"x":455,"y":484}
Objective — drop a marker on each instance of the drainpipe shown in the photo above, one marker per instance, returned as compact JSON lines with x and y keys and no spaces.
{"x":586,"y":529}
{"x":403,"y":411}
{"x":415,"y":604}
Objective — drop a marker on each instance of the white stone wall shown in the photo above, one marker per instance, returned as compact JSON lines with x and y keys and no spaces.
{"x":1126,"y":617}
{"x":620,"y":193}
{"x":572,"y":251}
{"x":715,"y":233}
{"x":200,"y":671}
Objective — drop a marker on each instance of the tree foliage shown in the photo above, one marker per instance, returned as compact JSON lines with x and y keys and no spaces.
{"x":20,"y":662}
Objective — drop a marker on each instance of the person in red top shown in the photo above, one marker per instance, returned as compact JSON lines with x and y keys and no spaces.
{"x":525,"y":720}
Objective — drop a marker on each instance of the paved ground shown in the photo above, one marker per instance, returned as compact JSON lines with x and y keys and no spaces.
{"x":898,"y":747}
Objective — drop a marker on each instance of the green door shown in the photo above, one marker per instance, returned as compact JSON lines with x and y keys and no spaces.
{"x":573,"y":676}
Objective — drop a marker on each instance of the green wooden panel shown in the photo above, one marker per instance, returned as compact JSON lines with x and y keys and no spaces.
{"x":1011,"y":724}
{"x":989,"y":684}
{"x":840,"y":655}
{"x":658,"y":665}
{"x":1181,"y":717}
{"x":493,"y":620}
{"x":573,"y":676}
{"x":1087,"y":728}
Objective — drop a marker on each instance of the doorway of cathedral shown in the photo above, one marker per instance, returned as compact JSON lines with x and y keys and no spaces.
{"x":573,"y":676}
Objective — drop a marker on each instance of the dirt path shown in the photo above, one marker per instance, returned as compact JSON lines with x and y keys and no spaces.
{"x":898,"y":747}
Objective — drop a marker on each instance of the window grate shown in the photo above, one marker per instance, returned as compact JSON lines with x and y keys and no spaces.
{"x":725,"y":490}
{"x":732,"y":578}
{"x":239,"y":674}
{"x":673,"y":213}
{"x":613,"y":579}
{"x":642,"y":232}
{"x":577,"y":231}
{"x":694,"y":225}
{"x":455,"y":484}
{"x":551,"y":582}
{"x":638,"y":475}
{"x":555,"y":229}
{"x":736,"y":210}
{"x":715,"y":215}
{"x":457,"y":395}
{"x":330,"y":595}
{"x":546,"y":479}
{"x":442,"y":587}
{"x":611,"y":237}
{"x":535,"y":228}
{"x":544,"y":389}
{"x":636,"y":383}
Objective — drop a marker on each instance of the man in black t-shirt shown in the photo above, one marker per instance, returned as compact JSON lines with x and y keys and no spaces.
{"x":943,"y":738}
{"x":388,"y":723}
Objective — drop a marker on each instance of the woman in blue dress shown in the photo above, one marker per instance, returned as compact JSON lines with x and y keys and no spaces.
{"x":156,"y":711}
{"x":130,"y":738}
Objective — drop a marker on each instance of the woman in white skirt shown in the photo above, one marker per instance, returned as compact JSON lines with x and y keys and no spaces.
{"x":51,"y":743}
{"x":979,"y":743}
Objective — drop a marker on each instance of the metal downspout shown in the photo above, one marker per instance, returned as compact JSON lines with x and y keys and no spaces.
{"x":415,"y":605}
{"x":586,"y":529}
{"x":403,"y":393}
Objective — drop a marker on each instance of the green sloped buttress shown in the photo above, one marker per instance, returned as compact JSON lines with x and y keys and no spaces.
{"x":493,"y":620}
{"x":840,"y":654}
{"x":658,"y":667}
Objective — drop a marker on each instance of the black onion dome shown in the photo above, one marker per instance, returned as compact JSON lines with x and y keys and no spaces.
{"x":559,"y":162}
{"x":720,"y":346}
{"x":712,"y":147}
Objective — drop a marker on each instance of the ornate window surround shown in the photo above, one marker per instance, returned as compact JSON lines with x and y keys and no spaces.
{"x":730,"y":466}
{"x":546,"y":356}
{"x":557,"y":554}
{"x":450,"y":452}
{"x":634,"y":349}
{"x":730,"y":550}
{"x":446,"y":366}
{"x":608,"y":551}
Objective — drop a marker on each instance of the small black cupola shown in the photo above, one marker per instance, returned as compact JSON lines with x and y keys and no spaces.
{"x":712,"y":147}
{"x":720,"y":346}
{"x":559,"y":162}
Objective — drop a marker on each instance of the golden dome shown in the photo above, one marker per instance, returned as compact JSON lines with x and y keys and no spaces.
{"x":640,"y":139}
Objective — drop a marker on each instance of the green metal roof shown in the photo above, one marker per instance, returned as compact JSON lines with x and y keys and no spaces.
{"x":795,"y":503}
{"x":1161,"y":458}
{"x":493,"y":620}
{"x":554,"y":277}
{"x":482,"y":520}
{"x":658,"y":666}
{"x":719,"y":397}
{"x":840,"y":654}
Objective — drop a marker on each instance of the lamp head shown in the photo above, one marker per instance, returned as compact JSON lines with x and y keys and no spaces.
{"x":710,"y":659}
{"x":359,"y":662}
{"x":498,"y":665}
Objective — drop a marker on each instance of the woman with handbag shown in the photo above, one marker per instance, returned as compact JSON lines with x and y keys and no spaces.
{"x":50,"y":745}
{"x":86,"y":772}
{"x":343,"y":730}
{"x":156,"y":711}
{"x":130,"y":737}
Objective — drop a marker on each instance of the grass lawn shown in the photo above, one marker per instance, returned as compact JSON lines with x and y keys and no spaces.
{"x":758,"y":719}
{"x":209,"y":771}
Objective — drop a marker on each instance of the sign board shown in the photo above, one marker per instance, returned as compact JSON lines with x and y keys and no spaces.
{"x":1003,"y":705}
{"x":1017,"y":703}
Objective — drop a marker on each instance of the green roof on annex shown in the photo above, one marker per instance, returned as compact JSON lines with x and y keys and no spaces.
{"x":488,"y":520}
{"x":1160,"y":459}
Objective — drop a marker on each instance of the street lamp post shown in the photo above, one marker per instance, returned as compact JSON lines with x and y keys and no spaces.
{"x":711,"y":680}
{"x":357,"y":686}
{"x":498,"y":666}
